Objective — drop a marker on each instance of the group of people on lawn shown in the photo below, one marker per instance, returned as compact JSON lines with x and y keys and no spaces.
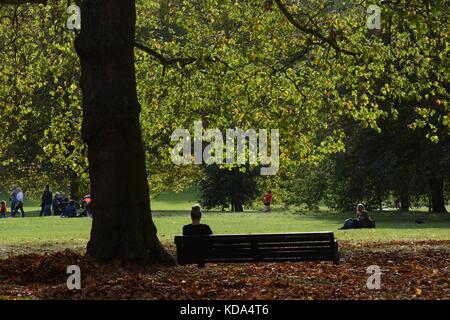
{"x":59,"y":204}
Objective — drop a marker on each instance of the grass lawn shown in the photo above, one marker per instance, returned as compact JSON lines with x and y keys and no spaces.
{"x":33,"y":233}
{"x":23,"y":235}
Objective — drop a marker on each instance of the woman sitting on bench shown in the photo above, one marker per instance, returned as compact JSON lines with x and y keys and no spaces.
{"x":196,"y":228}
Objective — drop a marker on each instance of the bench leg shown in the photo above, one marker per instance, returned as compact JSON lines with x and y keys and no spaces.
{"x":336,"y":259}
{"x":336,"y":253}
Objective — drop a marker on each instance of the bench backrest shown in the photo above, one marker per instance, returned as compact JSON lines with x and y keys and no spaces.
{"x":256,"y":247}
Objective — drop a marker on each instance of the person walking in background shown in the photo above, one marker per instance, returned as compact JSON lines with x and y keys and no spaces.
{"x":3,"y":209}
{"x":47,"y":199}
{"x":267,"y":200}
{"x":13,"y":199}
{"x":19,"y":203}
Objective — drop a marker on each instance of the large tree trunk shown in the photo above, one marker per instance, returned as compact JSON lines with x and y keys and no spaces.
{"x":237,"y":206}
{"x":437,"y":194}
{"x":122,"y":225}
{"x":404,"y":202}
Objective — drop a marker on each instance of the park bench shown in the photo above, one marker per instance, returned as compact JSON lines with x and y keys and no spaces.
{"x":241,"y":248}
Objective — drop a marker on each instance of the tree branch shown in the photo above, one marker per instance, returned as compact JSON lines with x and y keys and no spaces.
{"x":164,"y":61}
{"x":304,"y":28}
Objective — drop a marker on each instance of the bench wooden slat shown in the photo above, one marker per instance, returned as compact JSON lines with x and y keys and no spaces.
{"x":276,"y":244}
{"x":247,"y":238}
{"x":230,"y":242}
{"x":267,"y":252}
{"x":279,"y":257}
{"x":266,"y":260}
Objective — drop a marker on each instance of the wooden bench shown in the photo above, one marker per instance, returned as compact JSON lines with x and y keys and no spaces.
{"x":241,"y":248}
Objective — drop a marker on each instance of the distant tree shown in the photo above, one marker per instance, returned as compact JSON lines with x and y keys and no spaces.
{"x":228,"y":188}
{"x":397,"y":166}
{"x":306,"y":186}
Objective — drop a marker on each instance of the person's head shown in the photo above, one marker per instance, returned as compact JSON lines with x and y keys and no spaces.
{"x":72,"y":202}
{"x":14,"y":186}
{"x":270,"y":191}
{"x":47,"y":188}
{"x":3,"y":203}
{"x":18,"y":189}
{"x":196,"y":213}
{"x":57,"y":194}
{"x":360,"y":207}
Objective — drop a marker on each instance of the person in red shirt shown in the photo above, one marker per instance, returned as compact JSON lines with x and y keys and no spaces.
{"x":3,"y":209}
{"x":267,"y":200}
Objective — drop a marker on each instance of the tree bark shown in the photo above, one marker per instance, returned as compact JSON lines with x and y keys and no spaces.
{"x":404,"y":202}
{"x":237,"y":206}
{"x":122,"y":226}
{"x":437,"y":194}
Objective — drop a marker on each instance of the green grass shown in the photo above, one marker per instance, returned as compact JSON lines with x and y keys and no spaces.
{"x":389,"y":226}
{"x":34,"y":233}
{"x":19,"y":235}
{"x":175,"y":201}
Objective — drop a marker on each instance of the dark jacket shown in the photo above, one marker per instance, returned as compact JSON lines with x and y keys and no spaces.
{"x":196,"y":230}
{"x":70,"y":211}
{"x":364,"y":219}
{"x":47,"y":198}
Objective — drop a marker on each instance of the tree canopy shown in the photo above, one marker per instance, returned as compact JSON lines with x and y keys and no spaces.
{"x":298,"y":67}
{"x":303,"y":67}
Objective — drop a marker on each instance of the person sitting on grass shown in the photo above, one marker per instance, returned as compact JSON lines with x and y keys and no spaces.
{"x":362,"y":216}
{"x":56,"y":204}
{"x":3,"y":209}
{"x":70,"y":211}
{"x":196,"y":228}
{"x":362,"y":219}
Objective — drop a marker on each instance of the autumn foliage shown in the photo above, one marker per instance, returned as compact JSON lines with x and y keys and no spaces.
{"x":410,"y":270}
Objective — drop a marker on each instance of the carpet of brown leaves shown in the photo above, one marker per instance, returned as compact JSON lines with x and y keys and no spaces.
{"x":410,"y":270}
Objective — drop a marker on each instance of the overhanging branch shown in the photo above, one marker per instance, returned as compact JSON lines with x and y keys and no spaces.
{"x":304,"y":28}
{"x":164,"y":61}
